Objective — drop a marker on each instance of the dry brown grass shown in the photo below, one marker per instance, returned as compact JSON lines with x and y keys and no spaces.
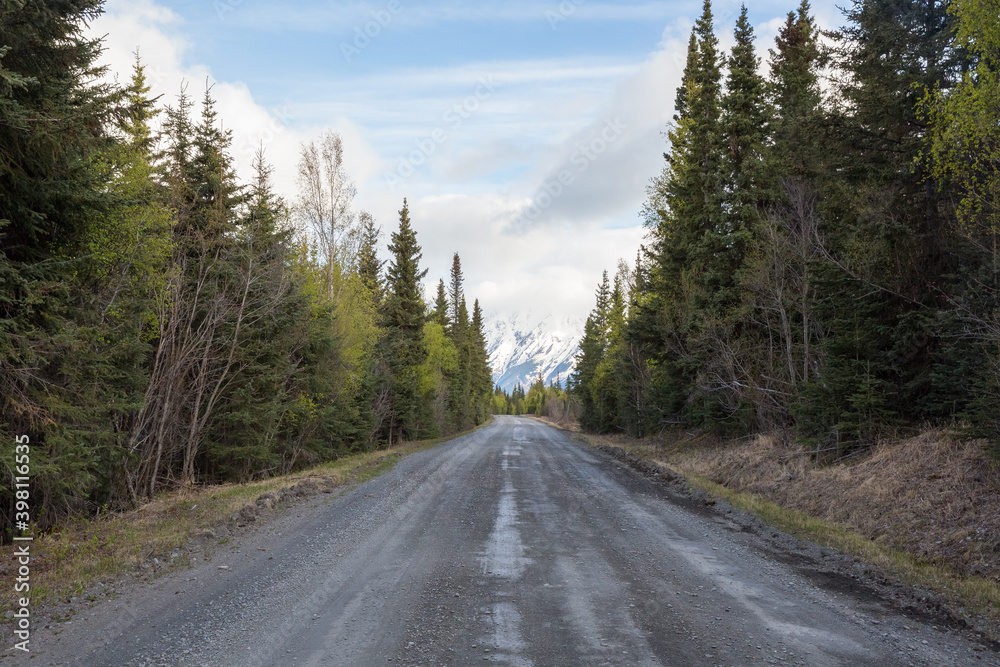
{"x":933,"y":496}
{"x":926,"y":510}
{"x":566,"y":423}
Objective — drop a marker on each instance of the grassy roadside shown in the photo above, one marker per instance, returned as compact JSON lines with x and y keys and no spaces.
{"x":973,"y":597}
{"x":69,"y":563}
{"x":978,"y":596}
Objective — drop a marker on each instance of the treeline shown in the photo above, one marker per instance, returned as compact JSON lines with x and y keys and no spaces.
{"x":163,"y":324}
{"x":821,"y":257}
{"x":553,"y":401}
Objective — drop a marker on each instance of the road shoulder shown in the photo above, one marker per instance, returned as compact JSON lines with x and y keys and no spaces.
{"x":830,"y":555}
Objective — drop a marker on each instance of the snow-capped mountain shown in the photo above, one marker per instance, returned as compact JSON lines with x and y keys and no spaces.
{"x":521,"y":345}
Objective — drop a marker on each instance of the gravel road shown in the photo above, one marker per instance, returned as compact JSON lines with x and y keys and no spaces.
{"x":511,"y":545}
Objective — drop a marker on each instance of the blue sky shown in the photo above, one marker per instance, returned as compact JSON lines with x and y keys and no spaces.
{"x":522,"y":133}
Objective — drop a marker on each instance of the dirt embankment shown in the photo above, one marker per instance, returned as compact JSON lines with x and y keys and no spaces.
{"x":933,"y":496}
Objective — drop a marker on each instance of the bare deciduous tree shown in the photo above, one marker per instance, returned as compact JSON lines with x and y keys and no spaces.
{"x":202,"y":316}
{"x":324,"y":208}
{"x":778,"y":305}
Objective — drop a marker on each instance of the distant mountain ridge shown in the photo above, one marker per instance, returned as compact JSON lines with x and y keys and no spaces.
{"x":519,"y":346}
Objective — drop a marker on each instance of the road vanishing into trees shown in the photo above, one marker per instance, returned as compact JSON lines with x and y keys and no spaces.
{"x":511,"y":545}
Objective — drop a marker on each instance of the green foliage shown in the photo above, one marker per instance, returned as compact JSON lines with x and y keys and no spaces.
{"x":963,"y":155}
{"x":369,"y":265}
{"x":822,"y":260}
{"x":162,"y":324}
{"x":403,"y":319}
{"x":509,"y":403}
{"x":440,"y":313}
{"x":64,"y":380}
{"x":437,"y":373}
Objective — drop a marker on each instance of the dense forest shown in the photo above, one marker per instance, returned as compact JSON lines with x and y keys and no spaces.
{"x":163,"y":324}
{"x":554,"y":401}
{"x":821,"y":259}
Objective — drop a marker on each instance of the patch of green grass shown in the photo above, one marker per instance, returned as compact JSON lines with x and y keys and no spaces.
{"x":381,"y":467}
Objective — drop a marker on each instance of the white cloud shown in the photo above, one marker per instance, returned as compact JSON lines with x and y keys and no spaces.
{"x":553,"y":265}
{"x":599,"y":174}
{"x":547,"y":269}
{"x":490,"y":168}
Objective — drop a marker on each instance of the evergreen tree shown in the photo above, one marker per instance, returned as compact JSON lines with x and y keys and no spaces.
{"x":207,"y":307}
{"x":481,"y":374}
{"x":890,"y":227}
{"x":403,"y":318}
{"x":782,"y":325}
{"x":369,"y":265}
{"x":266,"y":214}
{"x":586,"y":378}
{"x":456,"y":294}
{"x":140,"y":110}
{"x":962,"y":157}
{"x":440,"y":314}
{"x":215,"y":191}
{"x":608,"y":389}
{"x":688,"y":230}
{"x":462,"y":406}
{"x":748,"y":195}
{"x":175,"y":162}
{"x":130,"y":251}
{"x":687,"y":80}
{"x":796,"y":97}
{"x":744,"y":128}
{"x":250,"y":432}
{"x":602,"y":307}
{"x":61,"y":381}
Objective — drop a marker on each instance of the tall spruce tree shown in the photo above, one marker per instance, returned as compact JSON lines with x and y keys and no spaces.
{"x":462,"y":409}
{"x":456,"y":292}
{"x":687,"y":79}
{"x":749,"y":193}
{"x":587,"y":359}
{"x":58,"y":376}
{"x":129,"y":250}
{"x":440,"y":314}
{"x":403,"y":318}
{"x":243,"y":438}
{"x":175,"y":161}
{"x":795,"y":94}
{"x":688,"y":230}
{"x":602,"y":307}
{"x":744,"y":128}
{"x":886,"y":310}
{"x":215,"y":190}
{"x":481,"y":375}
{"x":369,"y":265}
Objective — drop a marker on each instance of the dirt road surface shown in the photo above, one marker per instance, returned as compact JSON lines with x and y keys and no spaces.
{"x":512,"y":545}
